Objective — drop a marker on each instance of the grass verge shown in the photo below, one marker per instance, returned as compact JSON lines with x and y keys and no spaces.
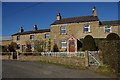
{"x":106,"y":71}
{"x":65,"y":65}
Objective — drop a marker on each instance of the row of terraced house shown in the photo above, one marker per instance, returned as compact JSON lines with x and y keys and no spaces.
{"x":67,"y":32}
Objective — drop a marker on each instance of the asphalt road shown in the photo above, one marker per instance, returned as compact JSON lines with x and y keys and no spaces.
{"x":24,"y":69}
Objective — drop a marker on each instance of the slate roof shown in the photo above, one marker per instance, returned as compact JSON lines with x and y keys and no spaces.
{"x":32,"y":32}
{"x":110,"y":23}
{"x":76,"y":20}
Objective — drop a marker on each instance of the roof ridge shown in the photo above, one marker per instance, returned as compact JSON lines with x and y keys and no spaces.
{"x":77,"y":17}
{"x":36,"y":30}
{"x":28,"y":32}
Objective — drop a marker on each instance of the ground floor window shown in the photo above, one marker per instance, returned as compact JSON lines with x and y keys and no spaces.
{"x":107,"y":29}
{"x":32,"y":46}
{"x":63,"y":44}
{"x":23,"y":47}
{"x":18,"y":46}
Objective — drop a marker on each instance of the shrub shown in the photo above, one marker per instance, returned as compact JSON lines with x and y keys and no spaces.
{"x":111,"y":54}
{"x":39,"y":45}
{"x":12,"y":47}
{"x":89,"y":43}
{"x":4,"y":48}
{"x":28,"y":47}
{"x":79,"y":45}
{"x":55,"y":48}
{"x":112,"y":36}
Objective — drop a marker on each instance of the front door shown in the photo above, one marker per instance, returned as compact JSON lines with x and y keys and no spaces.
{"x":71,"y":46}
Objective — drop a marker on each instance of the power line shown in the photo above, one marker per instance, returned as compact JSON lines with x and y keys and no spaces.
{"x":24,"y":9}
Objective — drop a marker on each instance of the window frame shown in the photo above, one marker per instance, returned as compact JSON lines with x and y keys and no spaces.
{"x":32,"y":36}
{"x":32,"y":46}
{"x":63,"y":42}
{"x":18,"y":46}
{"x":87,"y":27}
{"x":18,"y":38}
{"x":106,"y":28}
{"x":62,"y":29}
{"x":46,"y":36}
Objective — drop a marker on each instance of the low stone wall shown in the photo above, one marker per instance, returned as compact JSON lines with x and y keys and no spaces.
{"x":77,"y":61}
{"x":5,"y":57}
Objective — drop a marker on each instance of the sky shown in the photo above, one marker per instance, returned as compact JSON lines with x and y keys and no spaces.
{"x":42,"y":14}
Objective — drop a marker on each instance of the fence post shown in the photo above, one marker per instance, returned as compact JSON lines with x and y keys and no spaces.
{"x":86,"y":58}
{"x":11,"y":55}
{"x":17,"y":55}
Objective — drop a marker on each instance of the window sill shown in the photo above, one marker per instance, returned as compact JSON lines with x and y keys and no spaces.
{"x":63,"y":34}
{"x":87,"y":32}
{"x":107,"y":32}
{"x":63,"y":48}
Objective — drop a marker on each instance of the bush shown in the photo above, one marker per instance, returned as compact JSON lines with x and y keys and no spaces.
{"x":79,"y":45}
{"x":111,"y":54}
{"x":4,"y":49}
{"x":89,"y":43}
{"x":12,"y":47}
{"x":39,"y":45}
{"x":55,"y":48}
{"x":112,"y":36}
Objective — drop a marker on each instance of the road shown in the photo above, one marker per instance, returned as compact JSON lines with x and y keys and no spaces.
{"x":25,"y":69}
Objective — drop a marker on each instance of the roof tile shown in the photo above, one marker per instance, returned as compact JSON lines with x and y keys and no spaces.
{"x":32,"y":32}
{"x":76,"y":20}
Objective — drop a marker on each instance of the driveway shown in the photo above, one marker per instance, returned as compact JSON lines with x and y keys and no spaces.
{"x":25,"y":69}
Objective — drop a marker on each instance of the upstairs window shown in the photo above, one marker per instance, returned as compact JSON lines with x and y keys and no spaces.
{"x":47,"y":36}
{"x":63,"y":30}
{"x":18,"y":37}
{"x":31,"y":36}
{"x":86,"y":28}
{"x":63,"y":44}
{"x":107,"y":29}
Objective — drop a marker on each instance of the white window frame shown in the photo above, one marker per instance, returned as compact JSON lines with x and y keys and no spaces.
{"x":18,"y":38}
{"x":63,"y":42}
{"x":87,"y":27}
{"x":47,"y":36}
{"x":32,"y":36}
{"x":32,"y":46}
{"x":62,"y":29}
{"x":107,"y":28}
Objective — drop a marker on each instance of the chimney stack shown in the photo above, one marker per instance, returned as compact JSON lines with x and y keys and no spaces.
{"x":35,"y":27}
{"x":21,"y":29}
{"x":94,"y":11}
{"x":59,"y":16}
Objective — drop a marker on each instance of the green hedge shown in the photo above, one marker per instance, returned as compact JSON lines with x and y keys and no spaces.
{"x":111,"y":54}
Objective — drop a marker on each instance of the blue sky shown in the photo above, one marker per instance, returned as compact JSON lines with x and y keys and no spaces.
{"x":27,"y":14}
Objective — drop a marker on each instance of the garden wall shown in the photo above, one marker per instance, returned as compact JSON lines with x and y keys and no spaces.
{"x":76,"y":61}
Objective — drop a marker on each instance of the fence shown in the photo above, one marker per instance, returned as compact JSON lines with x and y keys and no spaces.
{"x":91,"y":56}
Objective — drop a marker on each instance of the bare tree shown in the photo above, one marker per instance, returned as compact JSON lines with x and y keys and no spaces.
{"x":12,"y":47}
{"x":39,"y":45}
{"x":28,"y":46}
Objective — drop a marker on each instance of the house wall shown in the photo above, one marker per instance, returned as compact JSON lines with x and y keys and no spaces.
{"x":26,"y":38}
{"x":5,"y":42}
{"x":77,"y":30}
